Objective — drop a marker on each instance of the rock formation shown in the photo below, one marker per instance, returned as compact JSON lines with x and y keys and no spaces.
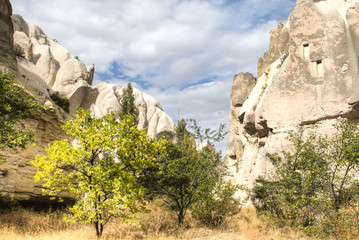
{"x":45,"y":68}
{"x":7,"y":56}
{"x":308,"y":77}
{"x":64,"y":74}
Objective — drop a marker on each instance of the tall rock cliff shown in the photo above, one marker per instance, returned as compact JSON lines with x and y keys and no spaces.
{"x":308,"y":77}
{"x":45,"y":68}
{"x":7,"y":55}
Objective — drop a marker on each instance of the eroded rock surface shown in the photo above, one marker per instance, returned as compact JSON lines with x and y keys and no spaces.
{"x":308,"y":77}
{"x":7,"y":55}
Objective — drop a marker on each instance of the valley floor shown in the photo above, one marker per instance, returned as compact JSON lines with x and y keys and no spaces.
{"x":158,"y":225}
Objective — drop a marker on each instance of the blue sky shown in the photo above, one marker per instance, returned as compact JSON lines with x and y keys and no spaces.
{"x":183,"y":52}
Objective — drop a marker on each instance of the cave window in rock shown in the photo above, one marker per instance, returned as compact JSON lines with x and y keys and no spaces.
{"x":306,"y":51}
{"x":319,"y":67}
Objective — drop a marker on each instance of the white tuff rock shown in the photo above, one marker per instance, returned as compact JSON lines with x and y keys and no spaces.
{"x":308,"y":77}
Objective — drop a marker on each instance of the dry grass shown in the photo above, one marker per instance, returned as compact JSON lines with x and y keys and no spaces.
{"x":251,"y":226}
{"x":28,"y":224}
{"x":157,"y":225}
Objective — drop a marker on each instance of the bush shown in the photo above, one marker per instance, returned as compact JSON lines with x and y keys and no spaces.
{"x":312,"y":187}
{"x":159,"y":219}
{"x":62,"y":102}
{"x":214,"y":209}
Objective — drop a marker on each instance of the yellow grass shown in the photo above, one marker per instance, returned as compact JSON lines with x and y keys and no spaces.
{"x":157,"y":225}
{"x":254,"y":227}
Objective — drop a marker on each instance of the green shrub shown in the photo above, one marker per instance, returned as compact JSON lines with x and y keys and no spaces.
{"x":62,"y":102}
{"x":16,"y":104}
{"x":215,"y":208}
{"x":314,"y":187}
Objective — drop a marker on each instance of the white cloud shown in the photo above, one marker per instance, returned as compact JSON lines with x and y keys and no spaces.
{"x":171,"y":45}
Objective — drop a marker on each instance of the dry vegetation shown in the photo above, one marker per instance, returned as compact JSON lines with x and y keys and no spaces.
{"x":157,"y":225}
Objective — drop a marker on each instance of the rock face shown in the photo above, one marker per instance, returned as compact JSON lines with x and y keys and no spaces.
{"x":17,"y":174}
{"x":243,"y":84}
{"x":308,"y":77}
{"x":7,"y":56}
{"x":45,"y":68}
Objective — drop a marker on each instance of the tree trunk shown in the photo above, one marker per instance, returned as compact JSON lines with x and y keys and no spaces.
{"x":180,"y":217}
{"x":99,"y":229}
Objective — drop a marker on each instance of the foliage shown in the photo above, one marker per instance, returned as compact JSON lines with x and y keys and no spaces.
{"x":62,"y":102}
{"x":207,"y":134}
{"x":181,"y":131}
{"x":184,"y":173}
{"x":15,"y":104}
{"x":102,"y":170}
{"x":311,"y":185}
{"x":218,"y":205}
{"x":128,"y":106}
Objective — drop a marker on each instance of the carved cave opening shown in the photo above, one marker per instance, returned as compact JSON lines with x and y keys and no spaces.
{"x":306,"y":51}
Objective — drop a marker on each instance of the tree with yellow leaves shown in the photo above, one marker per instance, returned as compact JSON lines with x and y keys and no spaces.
{"x":101,"y":170}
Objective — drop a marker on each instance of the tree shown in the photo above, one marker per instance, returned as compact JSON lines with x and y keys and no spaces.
{"x":15,"y":104}
{"x":181,"y":131}
{"x":128,"y":106}
{"x":311,"y":184}
{"x":101,"y":170}
{"x":185,"y":173}
{"x":207,"y":134}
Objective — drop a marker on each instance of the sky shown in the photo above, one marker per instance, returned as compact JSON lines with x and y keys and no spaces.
{"x":184,"y":53}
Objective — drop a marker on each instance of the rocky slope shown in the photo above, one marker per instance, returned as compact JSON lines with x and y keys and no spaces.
{"x":46,"y":68}
{"x":308,"y":77}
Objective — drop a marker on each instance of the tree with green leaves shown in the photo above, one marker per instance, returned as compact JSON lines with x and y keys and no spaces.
{"x":185,"y":173}
{"x":207,"y":134}
{"x":101,"y":169}
{"x":182,"y":132}
{"x":128,"y":106}
{"x":311,"y":185}
{"x":15,"y":104}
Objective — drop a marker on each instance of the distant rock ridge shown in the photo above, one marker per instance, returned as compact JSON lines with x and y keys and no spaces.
{"x":44,"y":68}
{"x":309,"y":76}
